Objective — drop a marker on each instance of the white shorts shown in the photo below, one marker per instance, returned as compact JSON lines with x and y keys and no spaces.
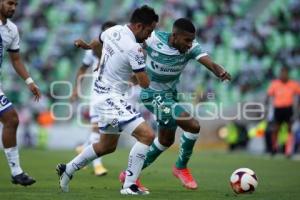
{"x":5,"y":104}
{"x":114,"y":114}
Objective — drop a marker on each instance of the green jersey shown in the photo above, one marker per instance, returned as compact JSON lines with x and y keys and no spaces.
{"x":165,"y":63}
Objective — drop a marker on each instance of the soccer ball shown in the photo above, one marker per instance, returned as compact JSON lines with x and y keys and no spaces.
{"x":243,"y":180}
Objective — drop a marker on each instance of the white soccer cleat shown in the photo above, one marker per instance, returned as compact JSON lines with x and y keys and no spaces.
{"x":133,"y":190}
{"x":64,"y":178}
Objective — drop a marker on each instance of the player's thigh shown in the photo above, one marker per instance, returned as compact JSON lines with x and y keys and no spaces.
{"x":161,"y":104}
{"x":143,"y":133}
{"x":188,"y":123}
{"x":166,"y":137}
{"x":8,"y":114}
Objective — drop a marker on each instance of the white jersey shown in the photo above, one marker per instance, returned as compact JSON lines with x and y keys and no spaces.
{"x":121,"y":56}
{"x":9,"y":38}
{"x":90,"y":59}
{"x":9,"y":41}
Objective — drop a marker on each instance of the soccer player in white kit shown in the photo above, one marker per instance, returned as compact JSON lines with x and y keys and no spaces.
{"x":122,"y":55}
{"x":9,"y":41}
{"x":91,"y":60}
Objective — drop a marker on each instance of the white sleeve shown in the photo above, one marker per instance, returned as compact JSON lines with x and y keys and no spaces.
{"x":15,"y":45}
{"x":196,"y":51}
{"x":136,"y":58}
{"x":102,"y":36}
{"x":88,"y":58}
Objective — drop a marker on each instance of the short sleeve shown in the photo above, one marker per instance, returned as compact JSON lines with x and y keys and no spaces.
{"x":15,"y":45}
{"x":136,"y":58}
{"x":102,"y":36}
{"x":88,"y":58}
{"x":196,"y":51}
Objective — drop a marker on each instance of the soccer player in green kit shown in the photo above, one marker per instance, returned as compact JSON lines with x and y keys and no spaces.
{"x":167,"y":56}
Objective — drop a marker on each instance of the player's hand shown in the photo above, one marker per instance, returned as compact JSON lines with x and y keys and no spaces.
{"x":224,"y":75}
{"x":35,"y":91}
{"x":74,"y":96}
{"x":79,"y":43}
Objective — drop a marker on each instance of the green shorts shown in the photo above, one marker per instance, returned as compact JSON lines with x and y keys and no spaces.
{"x":164,"y":105}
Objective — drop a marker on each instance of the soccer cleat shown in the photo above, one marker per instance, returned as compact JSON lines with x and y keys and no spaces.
{"x":22,"y":179}
{"x":99,"y":170}
{"x":186,"y":178}
{"x":64,"y":178}
{"x":122,"y":177}
{"x":133,"y":190}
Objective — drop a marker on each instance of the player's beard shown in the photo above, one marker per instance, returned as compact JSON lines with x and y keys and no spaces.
{"x":9,"y":14}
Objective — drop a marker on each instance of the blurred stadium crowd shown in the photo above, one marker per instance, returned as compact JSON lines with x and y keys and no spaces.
{"x":251,"y":39}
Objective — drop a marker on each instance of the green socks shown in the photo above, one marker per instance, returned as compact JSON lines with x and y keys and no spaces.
{"x":155,"y":150}
{"x":187,"y":142}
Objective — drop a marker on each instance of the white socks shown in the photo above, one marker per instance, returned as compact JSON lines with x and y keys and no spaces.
{"x":12,"y":155}
{"x":136,"y":160}
{"x":81,"y":160}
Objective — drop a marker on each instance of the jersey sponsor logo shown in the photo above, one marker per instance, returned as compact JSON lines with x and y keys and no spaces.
{"x":160,"y":45}
{"x":139,"y":59}
{"x":160,"y":68}
{"x":116,"y":35}
{"x":3,"y":100}
{"x":154,"y":54}
{"x":115,"y":42}
{"x":114,"y":123}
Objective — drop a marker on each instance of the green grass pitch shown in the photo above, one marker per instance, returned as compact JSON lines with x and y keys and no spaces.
{"x":278,"y":179}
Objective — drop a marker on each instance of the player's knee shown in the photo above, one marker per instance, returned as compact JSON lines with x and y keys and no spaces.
{"x":194,"y":127}
{"x":110,"y":150}
{"x":147,"y":137}
{"x":167,"y":141}
{"x":106,"y":150}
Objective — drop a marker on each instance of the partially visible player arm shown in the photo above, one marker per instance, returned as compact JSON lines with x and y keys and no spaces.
{"x":142,"y":79}
{"x":19,"y":67}
{"x":137,"y":62}
{"x":219,"y":71}
{"x":81,"y":71}
{"x":95,"y":45}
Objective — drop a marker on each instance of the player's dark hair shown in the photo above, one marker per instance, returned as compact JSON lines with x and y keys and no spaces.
{"x":184,"y":24}
{"x":285,"y":68}
{"x":145,"y":15}
{"x":107,"y":25}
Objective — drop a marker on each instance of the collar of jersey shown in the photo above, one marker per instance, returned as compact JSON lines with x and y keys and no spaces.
{"x":130,"y":32}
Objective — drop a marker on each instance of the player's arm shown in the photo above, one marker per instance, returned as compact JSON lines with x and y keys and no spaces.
{"x":80,"y":43}
{"x":270,"y":92}
{"x":142,"y":79}
{"x":219,"y":71}
{"x":81,"y":71}
{"x":19,"y":67}
{"x":95,"y":45}
{"x":137,"y":62}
